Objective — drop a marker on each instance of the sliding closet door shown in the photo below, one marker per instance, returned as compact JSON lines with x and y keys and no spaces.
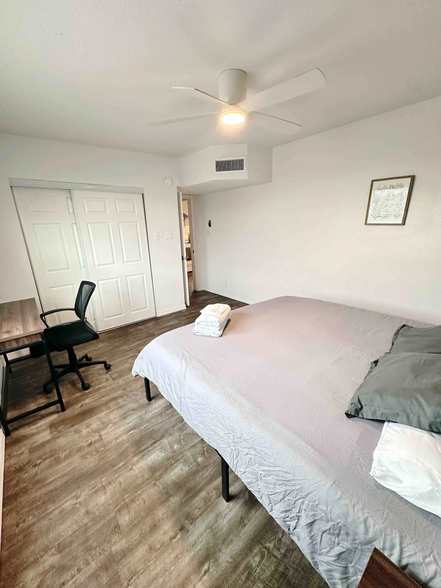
{"x":51,"y":233}
{"x":115,"y":243}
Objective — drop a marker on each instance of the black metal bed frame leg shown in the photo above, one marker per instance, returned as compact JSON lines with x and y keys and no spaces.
{"x":225,"y":472}
{"x":148,"y":394}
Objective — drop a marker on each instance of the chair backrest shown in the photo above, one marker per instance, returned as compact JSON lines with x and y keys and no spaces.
{"x":85,"y":292}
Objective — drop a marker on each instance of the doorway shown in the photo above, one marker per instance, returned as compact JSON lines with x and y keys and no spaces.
{"x":72,"y":235}
{"x":187,"y":246}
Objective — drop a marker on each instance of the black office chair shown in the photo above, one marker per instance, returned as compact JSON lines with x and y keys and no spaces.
{"x":66,"y":336}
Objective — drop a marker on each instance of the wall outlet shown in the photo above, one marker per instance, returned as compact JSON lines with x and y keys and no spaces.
{"x":169,"y":234}
{"x":226,"y":283}
{"x":157,"y":235}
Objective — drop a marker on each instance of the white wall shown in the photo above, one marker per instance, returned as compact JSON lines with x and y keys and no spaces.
{"x":27,"y":158}
{"x":304,"y":234}
{"x":198,"y":169}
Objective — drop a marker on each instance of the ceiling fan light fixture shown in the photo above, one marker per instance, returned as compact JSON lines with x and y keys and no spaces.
{"x":233,"y":117}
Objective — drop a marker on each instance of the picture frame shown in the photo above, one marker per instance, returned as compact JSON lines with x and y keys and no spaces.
{"x":388,"y":202}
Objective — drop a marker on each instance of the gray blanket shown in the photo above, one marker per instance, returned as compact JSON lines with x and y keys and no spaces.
{"x":270,"y":396}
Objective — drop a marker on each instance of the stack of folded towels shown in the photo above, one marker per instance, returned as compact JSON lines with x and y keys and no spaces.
{"x":212,"y":320}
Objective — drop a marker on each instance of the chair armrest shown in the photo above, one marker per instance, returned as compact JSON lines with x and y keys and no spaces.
{"x":44,"y":314}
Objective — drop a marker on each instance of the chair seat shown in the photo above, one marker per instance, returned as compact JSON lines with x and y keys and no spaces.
{"x":61,"y":337}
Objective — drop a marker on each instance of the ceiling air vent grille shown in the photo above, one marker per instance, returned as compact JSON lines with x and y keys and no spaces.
{"x":230,"y":165}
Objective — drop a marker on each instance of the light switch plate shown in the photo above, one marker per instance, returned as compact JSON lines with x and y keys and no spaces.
{"x":169,"y":234}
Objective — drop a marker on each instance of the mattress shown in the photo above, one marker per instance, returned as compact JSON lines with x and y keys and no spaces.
{"x":270,"y":396}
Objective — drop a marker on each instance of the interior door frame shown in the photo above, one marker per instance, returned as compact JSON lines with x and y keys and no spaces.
{"x":24,"y":183}
{"x":183,"y":251}
{"x":71,"y":186}
{"x":191,"y":213}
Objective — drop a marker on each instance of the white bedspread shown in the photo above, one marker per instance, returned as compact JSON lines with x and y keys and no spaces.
{"x":270,"y":396}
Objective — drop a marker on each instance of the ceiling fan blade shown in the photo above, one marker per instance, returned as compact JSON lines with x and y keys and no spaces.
{"x":303,"y":84}
{"x":201,"y":93}
{"x":167,"y":121}
{"x":275,"y":124}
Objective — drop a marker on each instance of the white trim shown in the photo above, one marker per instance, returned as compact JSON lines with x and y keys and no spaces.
{"x":193,"y":238}
{"x":22,"y":183}
{"x":183,"y":250}
{"x":149,"y":251}
{"x":171,"y":310}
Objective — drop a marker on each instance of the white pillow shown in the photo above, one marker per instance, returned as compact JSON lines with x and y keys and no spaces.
{"x":408,"y":461}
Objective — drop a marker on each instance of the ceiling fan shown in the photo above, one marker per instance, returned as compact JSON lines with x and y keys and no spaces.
{"x":237,"y":108}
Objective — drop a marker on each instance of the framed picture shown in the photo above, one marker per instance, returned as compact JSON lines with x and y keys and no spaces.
{"x":389,"y":201}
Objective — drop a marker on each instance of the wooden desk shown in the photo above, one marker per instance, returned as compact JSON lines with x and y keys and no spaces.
{"x":20,"y":324}
{"x":381,"y":572}
{"x":20,"y":328}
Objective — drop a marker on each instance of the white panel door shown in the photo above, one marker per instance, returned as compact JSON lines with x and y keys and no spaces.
{"x":51,"y":233}
{"x":115,"y":244}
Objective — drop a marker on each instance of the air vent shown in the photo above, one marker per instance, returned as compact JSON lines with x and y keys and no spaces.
{"x":230,"y":165}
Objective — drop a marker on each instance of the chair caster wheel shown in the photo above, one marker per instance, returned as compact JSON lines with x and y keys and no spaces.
{"x":47,"y":389}
{"x":88,"y":358}
{"x":107,"y":366}
{"x":85,"y":386}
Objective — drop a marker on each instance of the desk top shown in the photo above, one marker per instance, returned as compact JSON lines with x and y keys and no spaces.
{"x":381,"y":572}
{"x":19,"y":323}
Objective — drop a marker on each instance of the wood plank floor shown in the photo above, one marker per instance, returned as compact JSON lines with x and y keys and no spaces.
{"x":116,"y":492}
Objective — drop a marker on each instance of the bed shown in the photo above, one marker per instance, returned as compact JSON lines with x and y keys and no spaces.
{"x":270,"y":397}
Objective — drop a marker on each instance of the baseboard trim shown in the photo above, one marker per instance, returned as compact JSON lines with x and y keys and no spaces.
{"x":171,"y":310}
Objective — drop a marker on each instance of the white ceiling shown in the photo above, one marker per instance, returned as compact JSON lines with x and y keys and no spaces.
{"x":95,"y":71}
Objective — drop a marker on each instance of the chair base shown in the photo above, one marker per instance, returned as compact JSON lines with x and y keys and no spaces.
{"x":74,"y":366}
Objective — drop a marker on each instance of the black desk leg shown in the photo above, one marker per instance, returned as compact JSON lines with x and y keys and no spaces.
{"x":4,"y":424}
{"x":4,"y":399}
{"x":225,"y":471}
{"x":148,"y":394}
{"x":53,"y":372}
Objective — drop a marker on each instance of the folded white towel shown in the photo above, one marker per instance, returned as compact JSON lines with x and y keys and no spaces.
{"x":212,"y":319}
{"x":210,"y":331}
{"x":202,"y":325}
{"x":215,"y":309}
